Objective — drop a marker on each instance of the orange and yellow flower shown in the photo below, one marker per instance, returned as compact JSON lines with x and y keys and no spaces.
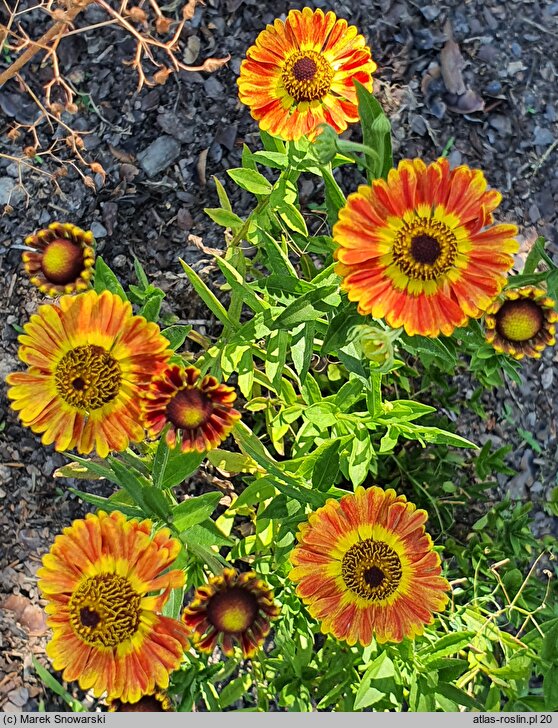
{"x":154,"y":703}
{"x":365,"y":567}
{"x":522,"y":322}
{"x":199,"y":411}
{"x":62,"y":259}
{"x":102,"y":579}
{"x":231,"y":607}
{"x":88,"y":358}
{"x":420,"y":250}
{"x":300,"y":73}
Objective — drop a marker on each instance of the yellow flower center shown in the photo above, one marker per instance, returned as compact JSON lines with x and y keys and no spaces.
{"x":307,"y":76}
{"x":232,"y":610}
{"x":105,"y":610}
{"x":87,"y":377}
{"x":424,"y":249}
{"x":189,"y":409}
{"x":371,"y":569}
{"x":62,"y":261}
{"x":519,"y":320}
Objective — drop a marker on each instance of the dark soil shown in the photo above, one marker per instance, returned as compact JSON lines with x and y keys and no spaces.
{"x":160,"y":148}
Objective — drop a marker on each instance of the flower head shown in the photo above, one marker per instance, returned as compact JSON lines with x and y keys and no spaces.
{"x":198,"y":410}
{"x":300,"y":73}
{"x":154,"y":703}
{"x":521,"y":323}
{"x":365,"y":567}
{"x":88,"y":358}
{"x":420,"y":250}
{"x":62,"y":259}
{"x":231,"y":607}
{"x":99,"y":579}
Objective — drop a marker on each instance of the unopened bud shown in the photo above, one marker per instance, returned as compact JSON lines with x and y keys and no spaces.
{"x":325,"y":144}
{"x":376,"y":344}
{"x":381,"y":125}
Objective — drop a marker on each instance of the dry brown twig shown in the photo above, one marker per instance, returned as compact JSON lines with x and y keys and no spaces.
{"x":162,"y":56}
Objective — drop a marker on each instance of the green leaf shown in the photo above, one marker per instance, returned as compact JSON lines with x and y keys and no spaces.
{"x":51,"y":682}
{"x":238,"y":284}
{"x":235,"y":690}
{"x":322,"y":414}
{"x":106,"y":504}
{"x":367,"y":696}
{"x":222,"y":195}
{"x":334,"y":197}
{"x":305,"y":308}
{"x":155,"y":502}
{"x":550,"y":688}
{"x":140,"y":274}
{"x":178,"y":466}
{"x":293,"y":218}
{"x":208,"y":297}
{"x":176,"y":335}
{"x":302,"y":348}
{"x":326,"y":467}
{"x":256,"y":492}
{"x":207,"y":534}
{"x":250,"y":180}
{"x":447,"y":645}
{"x":361,"y":454}
{"x":459,"y":696}
{"x":275,"y":160}
{"x":276,"y":355}
{"x":225,"y":218}
{"x":194,"y":510}
{"x":337,"y":332}
{"x":376,"y":132}
{"x":152,"y":306}
{"x":105,"y":280}
{"x":133,"y":484}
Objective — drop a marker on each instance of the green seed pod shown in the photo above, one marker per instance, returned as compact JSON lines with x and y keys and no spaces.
{"x":325,"y":145}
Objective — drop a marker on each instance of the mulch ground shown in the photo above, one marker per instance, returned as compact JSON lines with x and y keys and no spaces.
{"x":160,"y":148}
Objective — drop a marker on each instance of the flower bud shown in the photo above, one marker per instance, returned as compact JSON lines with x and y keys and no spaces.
{"x":375,"y":344}
{"x":325,"y":145}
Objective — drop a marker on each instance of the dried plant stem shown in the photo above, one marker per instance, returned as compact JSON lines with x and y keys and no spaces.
{"x":75,"y":8}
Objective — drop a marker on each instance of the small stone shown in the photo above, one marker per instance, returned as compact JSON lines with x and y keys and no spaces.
{"x":493,"y":88}
{"x":542,"y":137}
{"x":516,"y":50}
{"x":430,"y":12}
{"x":7,"y":187}
{"x":547,"y":378}
{"x":159,"y":155}
{"x":192,"y":50}
{"x":213,"y":88}
{"x":98,"y":230}
{"x":120,"y":261}
{"x":501,"y":123}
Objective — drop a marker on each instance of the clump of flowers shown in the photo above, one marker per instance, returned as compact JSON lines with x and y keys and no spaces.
{"x":140,"y":616}
{"x":62,"y":260}
{"x":106,"y":581}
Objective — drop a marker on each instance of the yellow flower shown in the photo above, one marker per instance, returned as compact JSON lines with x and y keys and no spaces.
{"x":521,"y":322}
{"x":88,"y":358}
{"x":420,"y":251}
{"x":99,"y":579}
{"x":62,"y":259}
{"x":199,"y":411}
{"x":231,"y":607}
{"x":301,"y":73}
{"x":365,"y":567}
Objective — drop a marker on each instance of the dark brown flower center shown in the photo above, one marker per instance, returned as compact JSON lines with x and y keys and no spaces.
{"x":105,"y":610}
{"x":371,"y":569}
{"x":307,"y":76}
{"x":146,"y":704}
{"x":189,"y":409}
{"x":519,"y":320}
{"x":305,"y":69}
{"x":62,"y":261}
{"x":87,"y":377}
{"x":232,"y":610}
{"x":425,"y":249}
